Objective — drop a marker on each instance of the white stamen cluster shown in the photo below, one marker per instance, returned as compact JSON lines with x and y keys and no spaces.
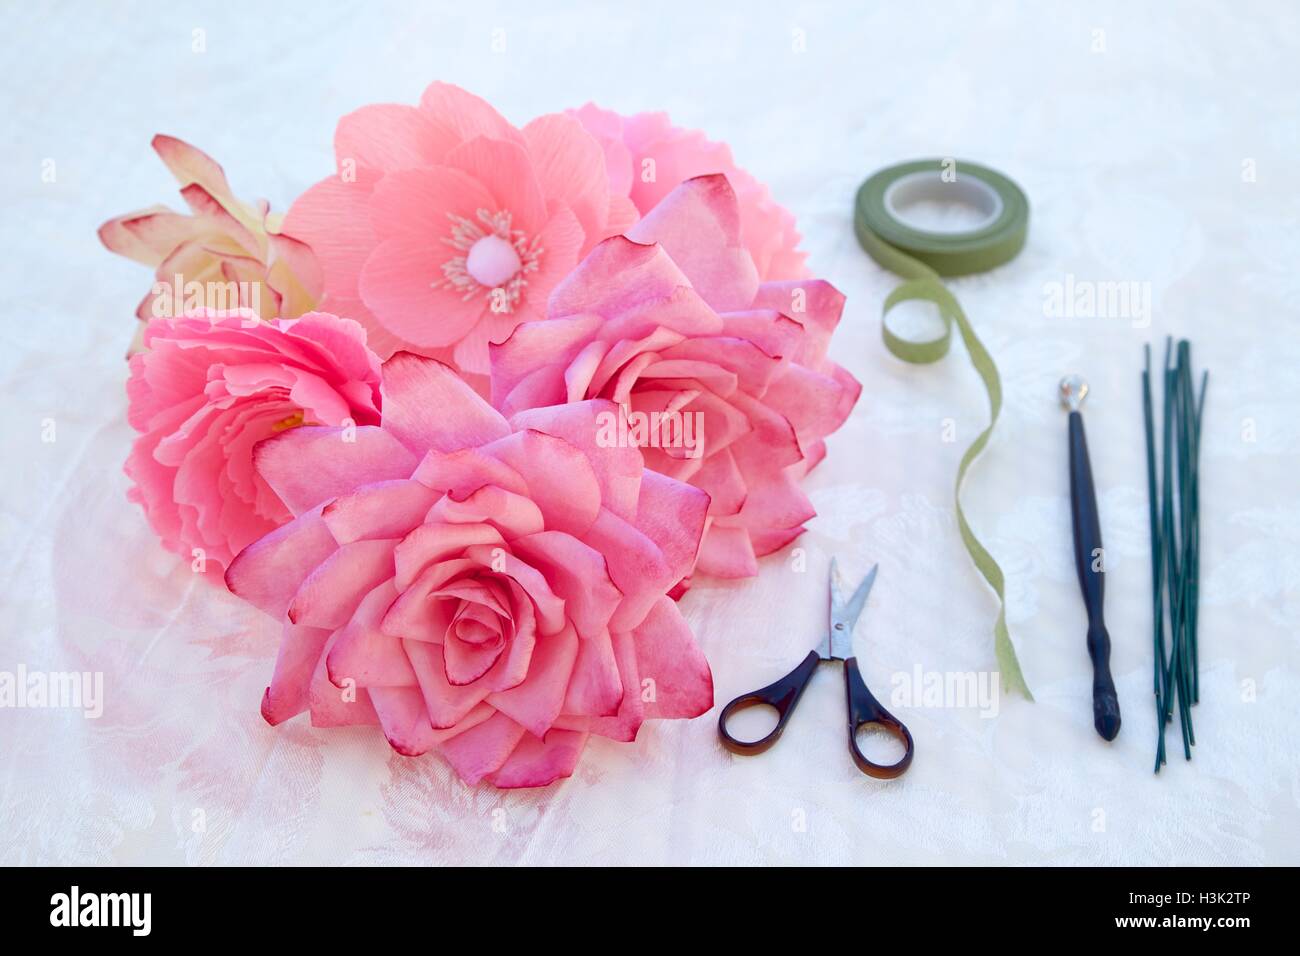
{"x":466,"y":232}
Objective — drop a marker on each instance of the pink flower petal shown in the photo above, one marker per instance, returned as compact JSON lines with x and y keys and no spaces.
{"x":432,"y":543}
{"x":314,"y":464}
{"x":333,"y":706}
{"x":203,"y":204}
{"x":464,"y":663}
{"x":571,"y":167}
{"x":624,"y":351}
{"x":269,"y":571}
{"x":536,"y":702}
{"x":753,"y":369}
{"x":512,"y":668}
{"x":300,"y":651}
{"x":464,"y":115}
{"x":560,"y":479}
{"x":483,"y":748}
{"x":330,"y":594}
{"x":617,"y":275}
{"x":401,"y":285}
{"x":366,"y":655}
{"x":548,"y":605}
{"x":770,"y":435}
{"x":534,"y":348}
{"x":768,"y":540}
{"x":538,"y":763}
{"x":618,"y":469}
{"x":293,"y":272}
{"x":672,"y":515}
{"x":427,"y":405}
{"x":460,"y":473}
{"x":816,"y":404}
{"x":774,"y":498}
{"x":667,"y":654}
{"x":636,"y":566}
{"x":117,"y":238}
{"x":631,"y":710}
{"x":505,"y":170}
{"x":159,"y":229}
{"x":191,"y":165}
{"x":813,"y":303}
{"x":417,"y":614}
{"x":384,"y":509}
{"x":446,"y":703}
{"x":774,"y":333}
{"x":722,"y":481}
{"x":414,"y":205}
{"x":595,"y":689}
{"x":727,"y":553}
{"x":577,"y":573}
{"x":698,"y":223}
{"x":333,"y":218}
{"x":607,"y":127}
{"x":511,"y":514}
{"x":387,"y":136}
{"x":404,"y":720}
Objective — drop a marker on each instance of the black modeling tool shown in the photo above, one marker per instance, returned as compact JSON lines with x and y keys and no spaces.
{"x":1089,"y":561}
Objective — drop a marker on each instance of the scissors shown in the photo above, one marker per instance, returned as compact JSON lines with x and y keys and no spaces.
{"x":836,"y":645}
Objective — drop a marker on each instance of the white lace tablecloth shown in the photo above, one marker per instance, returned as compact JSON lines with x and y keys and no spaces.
{"x":1158,"y":146}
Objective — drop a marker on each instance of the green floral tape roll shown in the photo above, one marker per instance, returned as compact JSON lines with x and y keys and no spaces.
{"x":922,"y":257}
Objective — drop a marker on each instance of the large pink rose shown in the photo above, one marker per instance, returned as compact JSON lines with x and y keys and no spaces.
{"x":491,"y":590}
{"x":672,"y":323}
{"x":648,"y":157}
{"x":445,"y":226}
{"x":208,"y":388}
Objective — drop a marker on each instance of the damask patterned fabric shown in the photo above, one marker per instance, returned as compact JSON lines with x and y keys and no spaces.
{"x":1157,"y":148}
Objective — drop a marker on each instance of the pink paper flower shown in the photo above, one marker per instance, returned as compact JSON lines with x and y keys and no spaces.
{"x":723,"y":380}
{"x":207,"y":389}
{"x":491,"y":590}
{"x":648,"y":157}
{"x":226,"y":254}
{"x":445,"y":226}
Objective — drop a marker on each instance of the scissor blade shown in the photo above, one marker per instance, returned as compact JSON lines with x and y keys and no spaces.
{"x":844,"y":615}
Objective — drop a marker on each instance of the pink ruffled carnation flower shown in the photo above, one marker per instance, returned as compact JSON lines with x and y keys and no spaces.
{"x":225,"y":254}
{"x":648,"y":157}
{"x":206,"y":390}
{"x":445,"y":226}
{"x":492,"y":590}
{"x":722,"y":380}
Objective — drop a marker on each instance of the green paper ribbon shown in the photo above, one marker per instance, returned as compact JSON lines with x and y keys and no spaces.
{"x":921,"y":258}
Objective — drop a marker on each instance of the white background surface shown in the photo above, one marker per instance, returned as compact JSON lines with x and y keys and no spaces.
{"x":1133,"y":161}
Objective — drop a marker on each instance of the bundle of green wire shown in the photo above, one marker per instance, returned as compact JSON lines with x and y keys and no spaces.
{"x":1175,"y":542}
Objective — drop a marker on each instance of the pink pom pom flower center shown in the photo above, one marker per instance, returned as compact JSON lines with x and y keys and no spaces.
{"x":497,"y":259}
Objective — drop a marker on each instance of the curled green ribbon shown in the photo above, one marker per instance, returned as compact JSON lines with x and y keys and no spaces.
{"x":921,"y":258}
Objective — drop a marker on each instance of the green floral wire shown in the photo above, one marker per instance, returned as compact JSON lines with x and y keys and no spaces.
{"x":1158,"y":677}
{"x":1174,"y":512}
{"x":1196,"y":540}
{"x":1186,"y":410}
{"x":1177,"y":700}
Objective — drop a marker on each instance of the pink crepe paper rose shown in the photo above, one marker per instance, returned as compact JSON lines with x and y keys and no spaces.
{"x":207,"y":389}
{"x":489,"y":589}
{"x":672,"y":323}
{"x":648,"y":157}
{"x":445,"y":226}
{"x":226,"y":254}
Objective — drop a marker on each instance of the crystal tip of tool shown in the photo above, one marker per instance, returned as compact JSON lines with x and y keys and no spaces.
{"x":1073,"y":390}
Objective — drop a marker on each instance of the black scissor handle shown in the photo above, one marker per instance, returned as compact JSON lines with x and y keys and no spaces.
{"x":865,"y":710}
{"x":781,"y":695}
